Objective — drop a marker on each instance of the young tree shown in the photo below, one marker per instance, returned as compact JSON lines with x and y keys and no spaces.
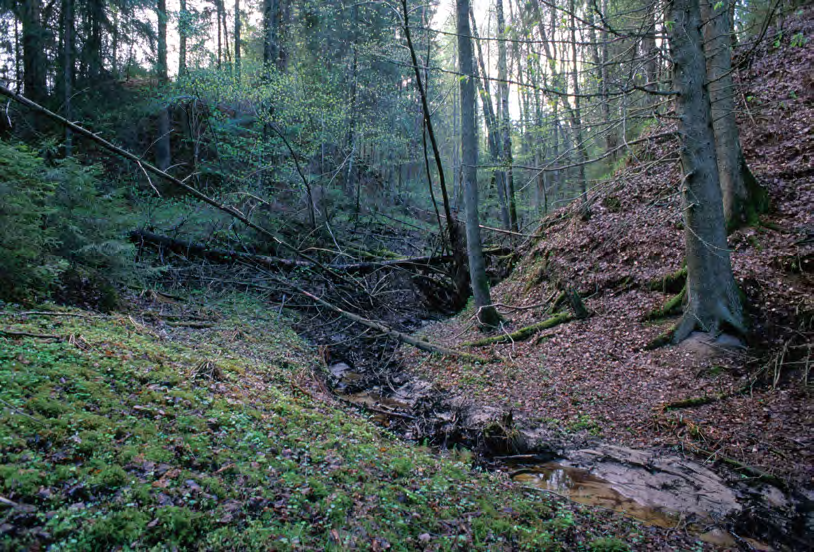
{"x":456,"y":241}
{"x":713,"y":299}
{"x":492,"y":126}
{"x":67,"y":67}
{"x":743,"y":196}
{"x":487,"y":314}
{"x":505,"y":116}
{"x":237,"y":39}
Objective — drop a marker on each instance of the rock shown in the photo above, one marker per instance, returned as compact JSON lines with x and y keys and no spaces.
{"x":704,"y":346}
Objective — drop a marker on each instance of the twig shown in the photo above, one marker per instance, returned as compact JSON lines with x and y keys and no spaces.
{"x":21,"y":413}
{"x":46,"y":313}
{"x":7,"y":502}
{"x":27,"y":334}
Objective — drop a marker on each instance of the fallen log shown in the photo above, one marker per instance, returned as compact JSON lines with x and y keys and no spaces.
{"x":523,"y":333}
{"x":403,"y":337}
{"x":196,"y":249}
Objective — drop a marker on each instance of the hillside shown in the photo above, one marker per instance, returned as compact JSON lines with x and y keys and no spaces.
{"x":177,"y":426}
{"x":389,"y":276}
{"x":595,"y":379}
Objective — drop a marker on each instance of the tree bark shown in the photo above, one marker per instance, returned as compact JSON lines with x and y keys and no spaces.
{"x":67,"y":68}
{"x":34,"y":83}
{"x":486,"y":312}
{"x":219,"y":18}
{"x":163,"y":157}
{"x":455,"y":240}
{"x":743,"y":196}
{"x":713,"y":298}
{"x":183,"y":25}
{"x":505,"y":117}
{"x":576,"y":112}
{"x":272,"y":50}
{"x":93,"y":44}
{"x":492,"y":127}
{"x":237,"y":39}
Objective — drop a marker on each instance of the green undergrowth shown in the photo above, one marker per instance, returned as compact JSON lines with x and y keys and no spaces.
{"x":127,"y":432}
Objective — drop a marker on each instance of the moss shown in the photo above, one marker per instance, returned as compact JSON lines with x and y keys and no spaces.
{"x":523,"y":333}
{"x":671,"y":283}
{"x":671,"y":307}
{"x":612,"y":204}
{"x":160,"y":460}
{"x":111,"y":477}
{"x":608,"y":544}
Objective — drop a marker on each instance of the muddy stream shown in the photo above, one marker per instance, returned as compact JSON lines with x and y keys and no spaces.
{"x":656,"y":487}
{"x":659,"y":487}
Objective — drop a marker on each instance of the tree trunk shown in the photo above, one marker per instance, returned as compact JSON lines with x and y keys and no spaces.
{"x":219,"y":18}
{"x":455,"y":240}
{"x":492,"y":127}
{"x":34,"y":84}
{"x":649,"y":51}
{"x":271,"y":44}
{"x":162,"y":147}
{"x":237,"y":39}
{"x":743,"y":196}
{"x":183,"y":25}
{"x":67,"y":68}
{"x":486,"y":312}
{"x":576,"y":112}
{"x":93,"y":45}
{"x":505,"y":118}
{"x":713,"y":300}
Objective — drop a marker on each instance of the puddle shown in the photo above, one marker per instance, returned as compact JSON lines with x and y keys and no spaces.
{"x":583,"y":487}
{"x":586,"y":488}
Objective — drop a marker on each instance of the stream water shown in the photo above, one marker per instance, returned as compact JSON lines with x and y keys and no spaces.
{"x":653,"y":486}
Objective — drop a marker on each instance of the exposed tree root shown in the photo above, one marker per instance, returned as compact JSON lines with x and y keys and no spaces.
{"x":524,"y":333}
{"x":671,"y":307}
{"x":740,"y":466}
{"x":671,"y":283}
{"x":662,"y":339}
{"x":694,"y":401}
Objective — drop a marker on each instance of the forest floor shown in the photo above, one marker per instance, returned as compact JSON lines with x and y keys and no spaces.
{"x":177,"y":425}
{"x":204,"y":422}
{"x":593,"y":379}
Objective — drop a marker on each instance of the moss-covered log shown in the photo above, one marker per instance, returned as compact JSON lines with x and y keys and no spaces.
{"x":693,"y":402}
{"x":524,"y":333}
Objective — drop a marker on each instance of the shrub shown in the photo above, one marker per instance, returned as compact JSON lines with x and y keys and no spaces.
{"x":60,"y":231}
{"x":27,"y":266}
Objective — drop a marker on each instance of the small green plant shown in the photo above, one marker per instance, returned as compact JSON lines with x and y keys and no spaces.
{"x":798,"y":40}
{"x":608,"y":544}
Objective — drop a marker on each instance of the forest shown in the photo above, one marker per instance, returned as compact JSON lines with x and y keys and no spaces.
{"x":406,"y":275}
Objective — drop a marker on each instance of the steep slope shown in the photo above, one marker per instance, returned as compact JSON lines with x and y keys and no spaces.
{"x":595,"y":376}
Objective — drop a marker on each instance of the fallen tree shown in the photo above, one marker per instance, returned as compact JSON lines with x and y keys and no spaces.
{"x":524,"y":333}
{"x":218,"y":255}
